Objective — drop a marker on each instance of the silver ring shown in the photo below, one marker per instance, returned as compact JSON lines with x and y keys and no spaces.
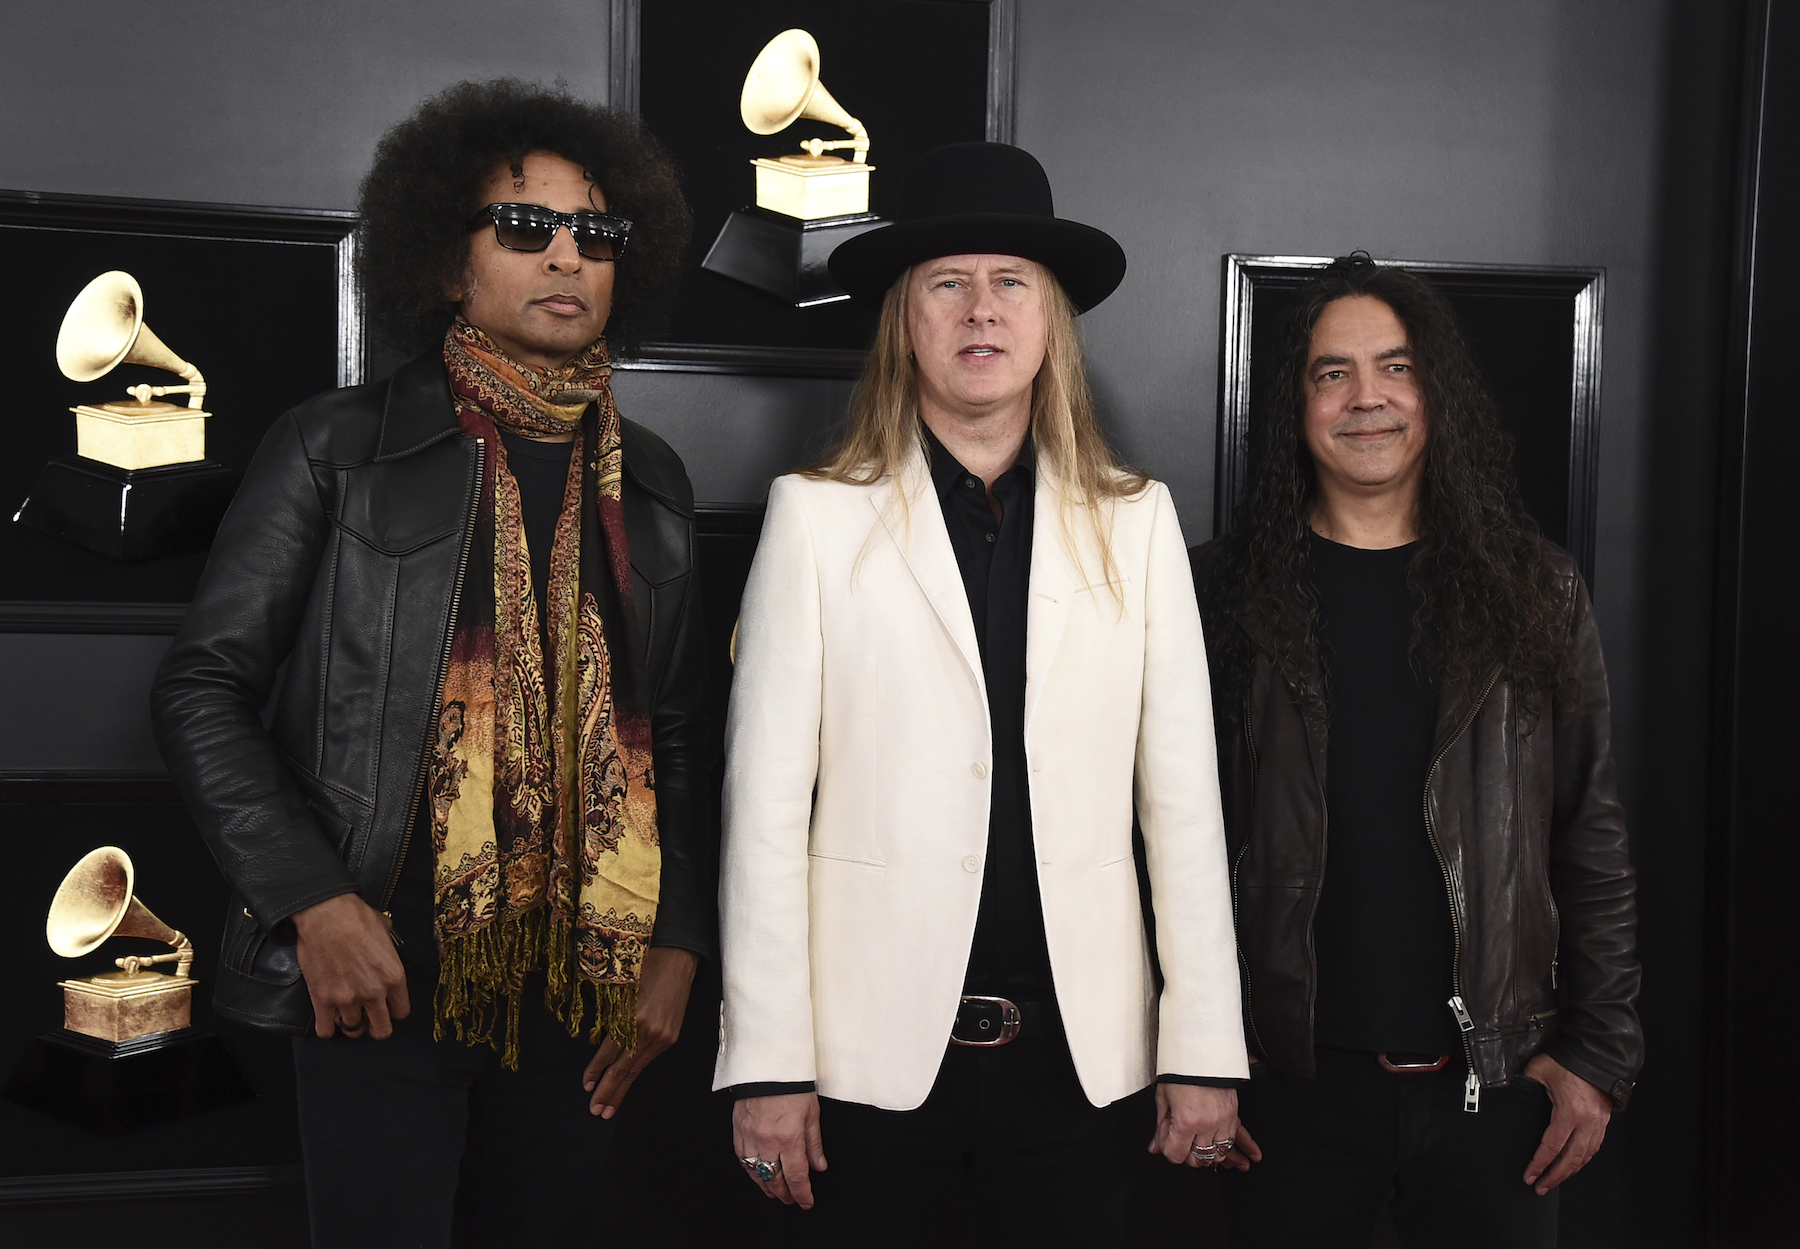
{"x":764,"y":1169}
{"x":1210,"y":1153}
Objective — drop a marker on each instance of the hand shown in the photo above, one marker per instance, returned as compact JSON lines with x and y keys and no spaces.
{"x":785,"y":1127}
{"x":662,"y":994}
{"x":1577,"y":1123}
{"x":1190,"y":1114}
{"x":351,"y":967}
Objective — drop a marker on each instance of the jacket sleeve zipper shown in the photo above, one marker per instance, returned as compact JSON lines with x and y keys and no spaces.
{"x":1465,"y":1023}
{"x":1243,"y":962}
{"x":462,"y":568}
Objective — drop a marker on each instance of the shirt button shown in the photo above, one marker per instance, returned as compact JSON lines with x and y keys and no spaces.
{"x":979,"y":769}
{"x":990,"y":537}
{"x":970,"y":482}
{"x":971,"y":863}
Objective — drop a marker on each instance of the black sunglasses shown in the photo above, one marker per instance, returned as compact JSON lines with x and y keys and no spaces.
{"x":530,"y":227}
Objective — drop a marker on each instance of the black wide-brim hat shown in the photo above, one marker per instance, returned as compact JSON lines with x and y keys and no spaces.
{"x":980,"y":198}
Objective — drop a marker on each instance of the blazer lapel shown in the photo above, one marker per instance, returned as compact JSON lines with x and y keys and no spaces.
{"x":1055,"y":580}
{"x":925,"y":546}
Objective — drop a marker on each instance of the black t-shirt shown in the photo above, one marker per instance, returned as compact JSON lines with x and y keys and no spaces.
{"x":1382,"y":932}
{"x":542,"y":471}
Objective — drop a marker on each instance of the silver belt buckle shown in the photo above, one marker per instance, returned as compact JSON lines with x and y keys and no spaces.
{"x":1008,"y":1022}
{"x":1412,"y":1063}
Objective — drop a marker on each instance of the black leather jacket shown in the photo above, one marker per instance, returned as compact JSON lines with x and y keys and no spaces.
{"x":336,"y":575}
{"x":1524,"y":813}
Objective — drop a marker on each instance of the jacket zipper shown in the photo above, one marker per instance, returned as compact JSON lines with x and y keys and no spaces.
{"x":462,"y":568}
{"x":1243,"y":962}
{"x":1464,"y":1022}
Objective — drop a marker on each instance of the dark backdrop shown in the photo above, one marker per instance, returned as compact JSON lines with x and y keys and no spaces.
{"x":1755,"y":854}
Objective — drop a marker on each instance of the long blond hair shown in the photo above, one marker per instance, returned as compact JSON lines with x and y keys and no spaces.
{"x":885,"y":429}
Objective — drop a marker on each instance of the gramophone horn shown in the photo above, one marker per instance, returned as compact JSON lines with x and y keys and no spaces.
{"x":95,"y":902}
{"x":105,"y":328}
{"x":783,"y":86}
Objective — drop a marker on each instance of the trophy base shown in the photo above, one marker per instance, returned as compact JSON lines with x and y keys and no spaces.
{"x":119,"y":1007}
{"x":140,"y":435}
{"x":118,"y":1086}
{"x":812,"y":188}
{"x":130,"y":514}
{"x":784,"y":256}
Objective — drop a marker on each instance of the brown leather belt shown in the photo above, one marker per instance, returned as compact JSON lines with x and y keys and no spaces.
{"x":1412,"y":1064}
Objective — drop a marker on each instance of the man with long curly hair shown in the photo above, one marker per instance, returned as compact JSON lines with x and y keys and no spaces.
{"x":468,"y":852}
{"x":1434,"y":901}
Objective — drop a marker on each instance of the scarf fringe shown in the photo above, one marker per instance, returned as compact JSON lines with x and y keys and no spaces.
{"x":570,"y":995}
{"x":479,"y":968}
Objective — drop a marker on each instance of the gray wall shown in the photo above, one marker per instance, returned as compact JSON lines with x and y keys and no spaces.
{"x":1515,"y":131}
{"x":1522,"y":131}
{"x":256,"y":103}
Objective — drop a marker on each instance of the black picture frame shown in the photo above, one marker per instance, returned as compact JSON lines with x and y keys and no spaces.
{"x":264,"y":300}
{"x":625,"y":77}
{"x":1554,"y":310}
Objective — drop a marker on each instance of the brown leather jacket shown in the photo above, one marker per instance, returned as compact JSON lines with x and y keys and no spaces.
{"x":1524,"y":814}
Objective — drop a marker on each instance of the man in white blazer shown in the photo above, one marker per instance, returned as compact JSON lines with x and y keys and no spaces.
{"x":968,"y":652}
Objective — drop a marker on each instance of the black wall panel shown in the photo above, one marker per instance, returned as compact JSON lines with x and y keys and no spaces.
{"x":1755,"y":852}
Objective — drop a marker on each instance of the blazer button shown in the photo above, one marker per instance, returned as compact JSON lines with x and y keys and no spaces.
{"x":979,"y":769}
{"x":971,"y":863}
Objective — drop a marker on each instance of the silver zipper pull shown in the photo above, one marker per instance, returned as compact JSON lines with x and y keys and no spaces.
{"x":1463,"y":1021}
{"x":1552,"y":973}
{"x":1472,"y":1093}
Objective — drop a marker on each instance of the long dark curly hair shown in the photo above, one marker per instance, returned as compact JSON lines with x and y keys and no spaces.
{"x":427,"y":179}
{"x":1483,"y":594}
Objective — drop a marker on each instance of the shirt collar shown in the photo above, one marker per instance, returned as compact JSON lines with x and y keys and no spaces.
{"x":947,"y":471}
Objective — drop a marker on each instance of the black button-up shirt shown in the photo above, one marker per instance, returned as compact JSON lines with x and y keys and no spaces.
{"x":1009,"y":956}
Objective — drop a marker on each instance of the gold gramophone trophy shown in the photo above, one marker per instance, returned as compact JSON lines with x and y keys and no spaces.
{"x":806,"y":203}
{"x":140,"y":484}
{"x":126,"y":1055}
{"x":782,"y":87}
{"x":95,"y":902}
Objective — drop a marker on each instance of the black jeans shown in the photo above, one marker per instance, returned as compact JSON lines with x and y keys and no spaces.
{"x":1006,"y":1150}
{"x":1338,"y":1147}
{"x":414,"y":1142}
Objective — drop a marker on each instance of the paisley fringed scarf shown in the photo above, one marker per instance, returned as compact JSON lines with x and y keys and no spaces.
{"x":541,"y":789}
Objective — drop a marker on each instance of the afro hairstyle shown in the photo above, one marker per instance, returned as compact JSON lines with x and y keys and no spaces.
{"x":427,"y":181}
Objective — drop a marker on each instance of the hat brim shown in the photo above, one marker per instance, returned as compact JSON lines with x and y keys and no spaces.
{"x":1089,"y":263}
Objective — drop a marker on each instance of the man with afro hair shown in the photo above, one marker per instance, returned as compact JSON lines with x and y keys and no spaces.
{"x":468,"y":847}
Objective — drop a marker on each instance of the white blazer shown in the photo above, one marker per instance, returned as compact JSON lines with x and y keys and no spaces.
{"x":857,"y":791}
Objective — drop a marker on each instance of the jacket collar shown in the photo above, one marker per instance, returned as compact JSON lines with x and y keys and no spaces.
{"x":909,"y":511}
{"x":419,"y":409}
{"x":1056,"y":580}
{"x":918,"y":530}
